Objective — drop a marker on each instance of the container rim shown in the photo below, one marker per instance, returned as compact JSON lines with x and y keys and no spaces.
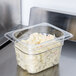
{"x":66,"y":35}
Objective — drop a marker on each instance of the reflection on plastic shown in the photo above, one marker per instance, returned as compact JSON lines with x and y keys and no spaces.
{"x":53,"y":71}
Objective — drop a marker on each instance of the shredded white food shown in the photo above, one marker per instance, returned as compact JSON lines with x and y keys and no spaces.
{"x":38,"y":58}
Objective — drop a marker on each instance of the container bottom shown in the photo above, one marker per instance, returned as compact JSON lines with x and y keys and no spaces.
{"x":39,"y":71}
{"x":37,"y":63}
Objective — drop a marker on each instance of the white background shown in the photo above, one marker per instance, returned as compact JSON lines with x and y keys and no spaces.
{"x":61,"y":5}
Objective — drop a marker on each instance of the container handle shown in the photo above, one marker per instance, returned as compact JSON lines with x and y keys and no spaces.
{"x":67,"y":35}
{"x":9,"y":36}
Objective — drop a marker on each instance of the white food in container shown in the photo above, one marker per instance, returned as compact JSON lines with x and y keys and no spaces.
{"x":40,"y":61}
{"x":42,"y":49}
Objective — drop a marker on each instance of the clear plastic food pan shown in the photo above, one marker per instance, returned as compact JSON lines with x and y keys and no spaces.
{"x":38,"y":57}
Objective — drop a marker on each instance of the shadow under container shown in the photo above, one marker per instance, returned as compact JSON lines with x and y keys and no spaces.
{"x":36,"y":58}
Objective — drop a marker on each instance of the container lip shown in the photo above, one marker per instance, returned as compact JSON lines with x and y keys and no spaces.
{"x":66,"y":35}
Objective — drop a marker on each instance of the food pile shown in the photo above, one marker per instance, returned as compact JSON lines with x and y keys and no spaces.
{"x":38,"y":52}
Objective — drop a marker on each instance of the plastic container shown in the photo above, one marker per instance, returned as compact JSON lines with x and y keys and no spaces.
{"x":36,"y":58}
